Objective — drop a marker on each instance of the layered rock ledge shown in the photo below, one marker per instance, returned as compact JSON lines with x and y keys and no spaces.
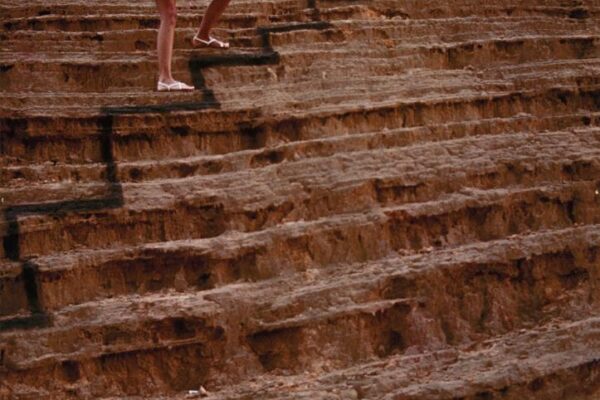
{"x":362,"y":200}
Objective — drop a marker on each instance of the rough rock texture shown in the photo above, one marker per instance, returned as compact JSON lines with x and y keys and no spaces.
{"x":365,"y":199}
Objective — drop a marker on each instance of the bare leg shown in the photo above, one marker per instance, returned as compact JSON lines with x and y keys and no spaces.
{"x":213,"y":13}
{"x":166,"y":37}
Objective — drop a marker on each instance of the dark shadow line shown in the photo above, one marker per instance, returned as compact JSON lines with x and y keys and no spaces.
{"x":265,"y":37}
{"x":301,"y":26}
{"x":196,"y":64}
{"x":266,"y":56}
{"x":209,"y":100}
{"x":31,"y":287}
{"x":62,"y":207}
{"x":11,"y":237}
{"x":159,"y":108}
{"x":33,"y":321}
{"x":29,"y":272}
{"x":312,"y":4}
{"x":106,"y":148}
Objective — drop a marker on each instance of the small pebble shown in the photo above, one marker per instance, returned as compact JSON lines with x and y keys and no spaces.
{"x":197,"y":393}
{"x":272,"y":73}
{"x":350,"y":394}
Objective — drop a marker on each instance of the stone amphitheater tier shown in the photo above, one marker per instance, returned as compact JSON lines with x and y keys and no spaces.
{"x":364,"y":199}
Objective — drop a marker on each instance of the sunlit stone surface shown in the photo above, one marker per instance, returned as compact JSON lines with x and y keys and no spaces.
{"x":366,"y":199}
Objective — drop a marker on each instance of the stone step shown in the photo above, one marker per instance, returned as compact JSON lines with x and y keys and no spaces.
{"x":371,"y":80}
{"x":60,"y":17}
{"x":444,"y":299}
{"x":94,"y":22}
{"x":471,"y":216}
{"x":94,"y":7}
{"x":545,"y":362}
{"x":363,"y":199}
{"x":262,"y":197}
{"x":172,"y":130}
{"x":348,"y":30}
{"x":90,"y":72}
{"x":48,"y":178}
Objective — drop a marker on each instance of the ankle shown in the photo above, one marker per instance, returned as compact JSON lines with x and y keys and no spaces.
{"x":202,"y":35}
{"x":166,"y":79}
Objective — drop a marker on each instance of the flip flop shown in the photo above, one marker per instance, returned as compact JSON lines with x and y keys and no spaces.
{"x":173,"y":87}
{"x":209,"y":43}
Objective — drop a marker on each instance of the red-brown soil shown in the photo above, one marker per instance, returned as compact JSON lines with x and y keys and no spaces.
{"x":363,"y":200}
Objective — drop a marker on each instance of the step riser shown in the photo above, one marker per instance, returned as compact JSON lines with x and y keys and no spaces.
{"x":291,"y":152}
{"x":94,"y":76}
{"x":521,"y":51}
{"x":110,"y":11}
{"x":181,"y":222}
{"x":156,"y":269}
{"x":361,"y":200}
{"x":118,"y":23}
{"x":70,"y":140}
{"x":415,"y":32}
{"x":139,"y":137}
{"x":45,"y":235}
{"x":177,"y":369}
{"x":13,"y":297}
{"x":548,"y":387}
{"x":475,"y":301}
{"x":499,"y":298}
{"x":463,"y":9}
{"x":52,"y":20}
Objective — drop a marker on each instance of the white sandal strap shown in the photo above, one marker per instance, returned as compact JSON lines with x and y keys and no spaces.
{"x":168,"y":86}
{"x":171,"y":86}
{"x":207,"y":42}
{"x":210,"y":41}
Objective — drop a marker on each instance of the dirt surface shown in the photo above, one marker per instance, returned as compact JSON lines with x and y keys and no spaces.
{"x":362,"y":200}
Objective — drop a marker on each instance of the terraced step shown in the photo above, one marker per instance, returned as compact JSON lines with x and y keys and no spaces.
{"x":350,"y":29}
{"x":42,"y":178}
{"x":163,"y":132}
{"x":477,"y":215}
{"x":396,"y":302}
{"x":86,"y":72}
{"x":416,"y":84}
{"x":254,"y":199}
{"x":369,"y":78}
{"x":22,"y":18}
{"x":362,"y":200}
{"x":40,"y":182}
{"x":545,"y":362}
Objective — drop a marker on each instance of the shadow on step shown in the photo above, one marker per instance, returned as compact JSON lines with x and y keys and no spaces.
{"x":267,"y":55}
{"x":114,"y":196}
{"x":113,"y":199}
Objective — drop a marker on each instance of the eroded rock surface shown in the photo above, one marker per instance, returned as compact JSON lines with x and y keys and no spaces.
{"x":363,"y":200}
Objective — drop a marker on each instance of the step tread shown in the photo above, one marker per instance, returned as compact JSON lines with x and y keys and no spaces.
{"x":286,"y":301}
{"x":412,"y":162}
{"x":232,"y":241}
{"x":364,"y":199}
{"x":492,"y":367}
{"x":62,"y":181}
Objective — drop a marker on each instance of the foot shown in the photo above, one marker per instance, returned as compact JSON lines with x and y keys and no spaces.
{"x":173,"y":86}
{"x":211,"y":42}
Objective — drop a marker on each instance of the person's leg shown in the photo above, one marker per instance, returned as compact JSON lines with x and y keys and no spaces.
{"x":166,"y":37}
{"x":213,"y":13}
